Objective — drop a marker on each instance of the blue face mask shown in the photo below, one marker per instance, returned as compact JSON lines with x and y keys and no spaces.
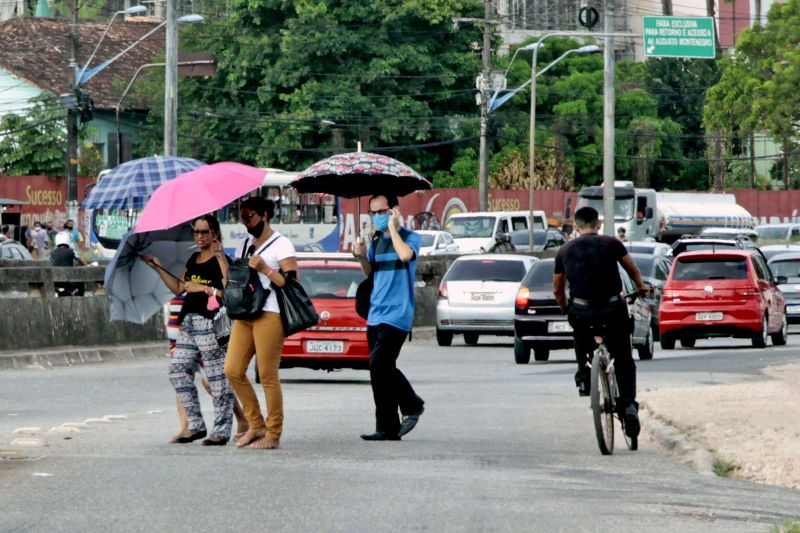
{"x":381,"y":222}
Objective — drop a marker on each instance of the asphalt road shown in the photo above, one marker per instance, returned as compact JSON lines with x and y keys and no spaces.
{"x":501,"y":447}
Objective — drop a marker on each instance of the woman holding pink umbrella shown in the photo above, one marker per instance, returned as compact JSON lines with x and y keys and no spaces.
{"x":202,"y":281}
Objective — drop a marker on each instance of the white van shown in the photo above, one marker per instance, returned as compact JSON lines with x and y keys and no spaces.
{"x":475,"y":232}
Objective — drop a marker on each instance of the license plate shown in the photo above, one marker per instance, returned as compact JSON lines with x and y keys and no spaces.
{"x":708,"y":316}
{"x":482,"y":297}
{"x":325,"y":346}
{"x":559,"y":327}
{"x":793,"y":309}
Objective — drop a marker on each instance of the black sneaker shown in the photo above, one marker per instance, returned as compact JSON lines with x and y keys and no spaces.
{"x":583,"y":387}
{"x":632,"y":426}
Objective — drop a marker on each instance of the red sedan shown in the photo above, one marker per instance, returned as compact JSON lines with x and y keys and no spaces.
{"x":340,"y":339}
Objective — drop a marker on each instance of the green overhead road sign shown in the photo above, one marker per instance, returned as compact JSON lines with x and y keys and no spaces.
{"x":679,"y":37}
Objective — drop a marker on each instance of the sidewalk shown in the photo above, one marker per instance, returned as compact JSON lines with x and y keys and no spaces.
{"x":751,"y":430}
{"x":75,"y":355}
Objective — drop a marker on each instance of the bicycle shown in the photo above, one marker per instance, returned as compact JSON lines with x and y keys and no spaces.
{"x":604,"y":395}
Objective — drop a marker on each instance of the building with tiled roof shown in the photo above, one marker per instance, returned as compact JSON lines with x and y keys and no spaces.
{"x":34,"y":58}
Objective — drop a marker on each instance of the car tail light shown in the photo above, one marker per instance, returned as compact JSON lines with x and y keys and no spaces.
{"x":522,"y":297}
{"x":443,"y":290}
{"x":748,"y":291}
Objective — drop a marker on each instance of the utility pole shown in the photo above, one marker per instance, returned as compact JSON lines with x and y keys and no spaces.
{"x":486,"y":73}
{"x":72,"y":113}
{"x":609,"y":141}
{"x":171,"y":82}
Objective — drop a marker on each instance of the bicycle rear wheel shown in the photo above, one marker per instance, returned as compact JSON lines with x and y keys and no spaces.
{"x":602,"y":404}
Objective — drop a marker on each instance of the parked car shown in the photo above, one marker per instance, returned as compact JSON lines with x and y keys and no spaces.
{"x":772,"y":250}
{"x":788,"y":266}
{"x":10,"y":249}
{"x":340,"y":339}
{"x":476,"y":296}
{"x":649,"y":248}
{"x":655,"y":271}
{"x":722,"y":293}
{"x":788,"y":233}
{"x":436,"y":243}
{"x":549,"y":239}
{"x":541,"y":326}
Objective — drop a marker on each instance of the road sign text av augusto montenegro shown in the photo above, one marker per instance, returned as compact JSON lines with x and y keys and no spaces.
{"x":679,"y":37}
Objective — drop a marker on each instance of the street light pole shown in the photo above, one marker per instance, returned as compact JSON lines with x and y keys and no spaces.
{"x":532,"y":146}
{"x":609,"y":144}
{"x":72,"y":112}
{"x":171,"y":82}
{"x":483,"y":165}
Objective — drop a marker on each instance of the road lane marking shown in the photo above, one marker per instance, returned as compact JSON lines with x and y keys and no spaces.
{"x":28,"y":443}
{"x":32,"y":431}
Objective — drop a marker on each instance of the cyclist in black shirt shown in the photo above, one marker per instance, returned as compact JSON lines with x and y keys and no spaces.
{"x":589,"y":265}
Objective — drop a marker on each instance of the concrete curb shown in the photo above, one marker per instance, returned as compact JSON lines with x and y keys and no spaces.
{"x":677,"y":443}
{"x":72,"y":355}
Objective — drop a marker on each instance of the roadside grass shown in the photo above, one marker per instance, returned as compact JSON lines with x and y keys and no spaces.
{"x":724,"y":468}
{"x":792,"y":526}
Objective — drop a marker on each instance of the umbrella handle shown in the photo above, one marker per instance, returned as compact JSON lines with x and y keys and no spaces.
{"x":162,"y":269}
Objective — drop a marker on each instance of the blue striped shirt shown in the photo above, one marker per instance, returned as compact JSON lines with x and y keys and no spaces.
{"x":393,"y":300}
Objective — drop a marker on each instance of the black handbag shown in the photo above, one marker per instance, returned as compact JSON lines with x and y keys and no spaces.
{"x":297,"y":310}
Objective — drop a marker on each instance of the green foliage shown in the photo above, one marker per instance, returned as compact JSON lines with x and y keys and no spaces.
{"x":34,"y":143}
{"x":386,"y":73}
{"x":757,"y":90}
{"x":792,"y":526}
{"x":724,"y":468}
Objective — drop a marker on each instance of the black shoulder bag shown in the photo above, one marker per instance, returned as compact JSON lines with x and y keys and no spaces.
{"x":297,"y":309}
{"x":364,"y":289}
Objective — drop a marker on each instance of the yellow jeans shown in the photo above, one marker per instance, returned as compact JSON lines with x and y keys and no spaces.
{"x":264,"y":338}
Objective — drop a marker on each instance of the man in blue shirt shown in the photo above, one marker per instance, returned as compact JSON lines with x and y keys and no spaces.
{"x":391,"y":259}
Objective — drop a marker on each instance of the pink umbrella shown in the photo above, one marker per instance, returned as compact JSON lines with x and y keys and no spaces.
{"x":196,"y":193}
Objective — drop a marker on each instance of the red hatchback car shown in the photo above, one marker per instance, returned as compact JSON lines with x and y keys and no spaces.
{"x":730,"y":293}
{"x":340,"y":339}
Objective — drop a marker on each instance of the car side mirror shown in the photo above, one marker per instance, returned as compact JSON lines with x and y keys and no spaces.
{"x":781,"y":280}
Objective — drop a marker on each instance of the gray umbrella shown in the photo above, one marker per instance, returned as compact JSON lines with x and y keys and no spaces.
{"x":136,"y":291}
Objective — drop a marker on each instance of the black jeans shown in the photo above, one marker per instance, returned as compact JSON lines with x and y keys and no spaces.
{"x":617,"y":336}
{"x":390,"y":388}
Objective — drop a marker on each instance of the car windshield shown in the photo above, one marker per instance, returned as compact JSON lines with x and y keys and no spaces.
{"x":471,"y":227}
{"x":789,"y":268}
{"x":623,"y":207}
{"x":645,"y":265}
{"x":696,"y":247}
{"x":710,"y":269}
{"x":540,"y":276}
{"x":486,"y":270}
{"x":427,"y":240}
{"x":331,"y":283}
{"x":773,"y":233}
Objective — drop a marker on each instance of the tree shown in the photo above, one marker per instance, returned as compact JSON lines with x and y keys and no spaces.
{"x":386,"y":73}
{"x":34,"y":143}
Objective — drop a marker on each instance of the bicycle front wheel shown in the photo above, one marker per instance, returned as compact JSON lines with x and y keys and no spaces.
{"x":602,"y":404}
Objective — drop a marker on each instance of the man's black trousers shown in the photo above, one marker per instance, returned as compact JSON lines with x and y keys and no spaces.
{"x":617,"y":335}
{"x":390,"y":388}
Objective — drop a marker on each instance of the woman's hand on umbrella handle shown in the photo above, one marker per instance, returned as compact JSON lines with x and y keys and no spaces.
{"x":151,"y":260}
{"x":257,"y":263}
{"x":217,"y":249}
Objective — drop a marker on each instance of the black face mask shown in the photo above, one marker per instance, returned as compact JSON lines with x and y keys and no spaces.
{"x":256,"y":230}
